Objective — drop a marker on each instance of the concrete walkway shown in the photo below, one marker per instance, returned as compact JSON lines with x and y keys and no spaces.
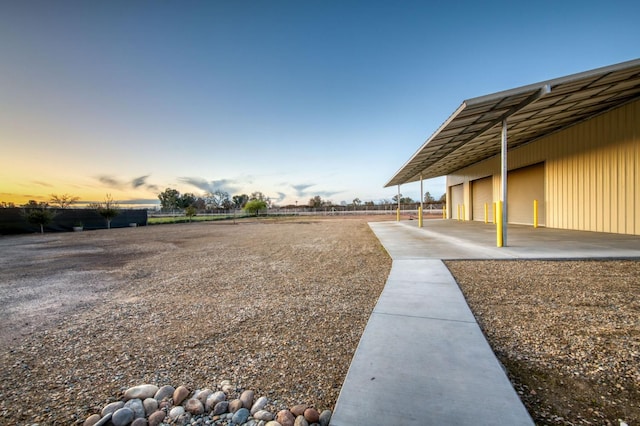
{"x":422,"y":359}
{"x":450,"y":239}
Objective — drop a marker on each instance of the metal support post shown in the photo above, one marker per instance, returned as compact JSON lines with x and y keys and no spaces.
{"x":398,"y":210}
{"x":502,"y":220}
{"x":421,"y":207}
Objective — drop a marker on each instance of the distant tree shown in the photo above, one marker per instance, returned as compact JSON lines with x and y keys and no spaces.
{"x":428,"y":198}
{"x":40,"y":215}
{"x":254,"y":206}
{"x":200,"y":204}
{"x":190,"y":212}
{"x":260,"y":197}
{"x":227,"y":204}
{"x":257,"y":196}
{"x":33,"y":204}
{"x":217,"y":199}
{"x":315,"y":202}
{"x":108,"y":209}
{"x":240,"y":200}
{"x":169,"y":199}
{"x":356,"y":202}
{"x":63,"y":201}
{"x":443,"y":198}
{"x":186,"y":200}
{"x":6,"y":205}
{"x":369,"y":203}
{"x":403,"y":200}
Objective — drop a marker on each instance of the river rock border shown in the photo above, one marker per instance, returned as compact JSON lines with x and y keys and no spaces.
{"x":150,"y":405}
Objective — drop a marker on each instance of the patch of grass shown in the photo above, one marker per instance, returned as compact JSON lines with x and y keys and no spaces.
{"x":184,"y":219}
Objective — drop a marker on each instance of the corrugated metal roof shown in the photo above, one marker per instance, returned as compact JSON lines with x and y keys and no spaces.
{"x":472,"y":133}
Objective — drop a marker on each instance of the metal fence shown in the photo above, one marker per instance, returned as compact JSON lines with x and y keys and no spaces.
{"x":305,"y":211}
{"x":13,"y":220}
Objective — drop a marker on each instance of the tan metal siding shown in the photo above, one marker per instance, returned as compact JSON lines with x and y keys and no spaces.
{"x":523,"y":187}
{"x":592,"y":172}
{"x":457,"y":200}
{"x":481,"y":193}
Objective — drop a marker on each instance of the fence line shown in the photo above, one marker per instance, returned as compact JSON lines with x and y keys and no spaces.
{"x":301,"y":212}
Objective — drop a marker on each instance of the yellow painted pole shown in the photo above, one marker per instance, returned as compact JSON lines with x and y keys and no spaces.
{"x":535,"y":213}
{"x":421,"y":205}
{"x":464,"y":217}
{"x":486,"y":213}
{"x":499,"y":227}
{"x":494,"y":213}
{"x":398,"y":214}
{"x":458,"y":218}
{"x":444,"y":211}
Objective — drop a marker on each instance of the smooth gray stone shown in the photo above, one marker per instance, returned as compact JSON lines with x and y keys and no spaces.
{"x":136,"y":406}
{"x":104,"y":420}
{"x":122,"y":417}
{"x":240,"y":416}
{"x":164,"y":392}
{"x":111,"y":408}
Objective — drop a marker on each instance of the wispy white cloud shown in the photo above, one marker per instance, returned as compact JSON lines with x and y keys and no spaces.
{"x":135,"y":183}
{"x":281,"y":196}
{"x":226,"y":185}
{"x":110,"y":181}
{"x":301,"y":188}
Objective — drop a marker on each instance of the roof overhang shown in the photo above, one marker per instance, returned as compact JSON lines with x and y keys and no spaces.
{"x":473,"y":132}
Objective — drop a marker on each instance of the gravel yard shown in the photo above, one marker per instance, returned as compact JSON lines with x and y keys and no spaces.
{"x":274,"y":306}
{"x":568,"y":333}
{"x":278,"y":306}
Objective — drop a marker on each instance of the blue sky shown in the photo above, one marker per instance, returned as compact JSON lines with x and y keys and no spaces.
{"x":290,"y":98}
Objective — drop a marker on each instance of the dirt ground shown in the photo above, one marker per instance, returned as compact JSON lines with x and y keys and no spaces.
{"x":269,"y":304}
{"x":568,"y":333}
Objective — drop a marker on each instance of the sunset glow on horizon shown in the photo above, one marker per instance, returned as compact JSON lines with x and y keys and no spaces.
{"x":292,"y":99}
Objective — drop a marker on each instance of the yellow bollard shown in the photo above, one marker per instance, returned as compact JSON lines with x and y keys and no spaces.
{"x":463,"y":215}
{"x":444,"y":211}
{"x":535,"y":213}
{"x":486,"y":213}
{"x":398,"y":214}
{"x":494,"y":213}
{"x":499,"y":227}
{"x":420,"y":217}
{"x":458,"y":217}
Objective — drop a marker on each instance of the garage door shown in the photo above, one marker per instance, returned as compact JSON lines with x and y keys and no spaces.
{"x":481,"y":193}
{"x":523,"y":186}
{"x":457,"y":200}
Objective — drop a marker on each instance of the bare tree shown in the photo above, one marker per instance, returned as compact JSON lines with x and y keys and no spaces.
{"x":63,"y":201}
{"x":217,"y":199}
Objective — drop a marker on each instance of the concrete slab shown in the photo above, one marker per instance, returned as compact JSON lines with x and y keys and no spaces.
{"x":422,"y":288}
{"x":450,"y":239}
{"x":422,"y":359}
{"x":416,"y":371}
{"x":427,"y":270}
{"x":407,"y":241}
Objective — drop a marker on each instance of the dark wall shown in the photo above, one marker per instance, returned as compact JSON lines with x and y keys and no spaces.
{"x":13,"y":221}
